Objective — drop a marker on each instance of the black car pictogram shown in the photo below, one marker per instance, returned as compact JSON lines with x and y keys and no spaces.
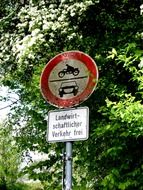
{"x":68,"y":88}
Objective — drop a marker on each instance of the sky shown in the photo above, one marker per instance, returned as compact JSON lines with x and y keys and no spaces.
{"x":4,"y":110}
{"x":5,"y":104}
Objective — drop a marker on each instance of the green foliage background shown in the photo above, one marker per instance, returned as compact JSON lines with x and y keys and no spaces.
{"x":111,"y":32}
{"x":10,"y":159}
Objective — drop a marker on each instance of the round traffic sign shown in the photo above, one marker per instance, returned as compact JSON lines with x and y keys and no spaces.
{"x":69,"y":79}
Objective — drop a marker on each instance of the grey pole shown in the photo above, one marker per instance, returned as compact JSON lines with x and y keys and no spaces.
{"x":63,"y":178}
{"x":68,"y":180}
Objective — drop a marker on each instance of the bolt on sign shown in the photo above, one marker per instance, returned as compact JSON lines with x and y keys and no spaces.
{"x":69,"y":79}
{"x":68,"y":125}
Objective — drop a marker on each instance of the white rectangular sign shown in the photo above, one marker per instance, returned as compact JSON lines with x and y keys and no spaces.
{"x":68,"y":125}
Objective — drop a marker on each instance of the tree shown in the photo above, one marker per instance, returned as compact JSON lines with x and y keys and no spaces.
{"x":10,"y":159}
{"x":111,"y":33}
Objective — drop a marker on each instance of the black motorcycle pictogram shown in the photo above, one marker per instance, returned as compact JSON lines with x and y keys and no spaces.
{"x":68,"y":70}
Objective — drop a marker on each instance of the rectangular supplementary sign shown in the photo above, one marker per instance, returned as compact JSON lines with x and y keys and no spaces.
{"x":68,"y":125}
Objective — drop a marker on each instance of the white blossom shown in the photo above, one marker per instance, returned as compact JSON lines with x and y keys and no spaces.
{"x":140,"y":65}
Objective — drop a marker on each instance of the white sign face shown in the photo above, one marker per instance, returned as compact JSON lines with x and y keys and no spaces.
{"x":68,"y":125}
{"x":68,"y":79}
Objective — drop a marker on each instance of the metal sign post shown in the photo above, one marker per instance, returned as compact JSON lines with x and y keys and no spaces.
{"x":68,"y":169}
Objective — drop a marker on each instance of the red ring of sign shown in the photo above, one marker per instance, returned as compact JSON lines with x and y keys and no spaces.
{"x":93,"y":78}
